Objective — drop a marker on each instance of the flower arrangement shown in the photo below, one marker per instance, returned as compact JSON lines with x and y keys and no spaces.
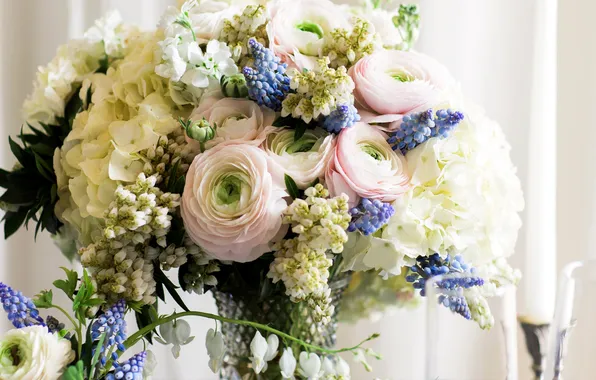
{"x":266,"y":151}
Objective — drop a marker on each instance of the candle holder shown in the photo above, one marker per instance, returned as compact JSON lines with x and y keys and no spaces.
{"x":561,"y":349}
{"x":536,"y":343}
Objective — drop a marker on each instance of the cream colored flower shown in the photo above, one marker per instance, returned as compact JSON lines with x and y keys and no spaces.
{"x":33,"y":353}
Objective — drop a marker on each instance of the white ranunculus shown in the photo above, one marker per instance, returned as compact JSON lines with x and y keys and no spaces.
{"x":296,"y":28}
{"x":465,"y":194}
{"x":304,"y":160}
{"x":33,"y":353}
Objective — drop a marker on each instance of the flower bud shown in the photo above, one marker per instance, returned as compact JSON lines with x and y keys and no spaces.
{"x":234,"y":86}
{"x":200,"y":130}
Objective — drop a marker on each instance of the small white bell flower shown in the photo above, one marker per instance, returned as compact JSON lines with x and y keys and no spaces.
{"x":272,"y":345}
{"x":150,"y":364}
{"x":328,"y":367}
{"x":215,"y":349}
{"x":258,"y":348}
{"x":310,"y":365}
{"x":342,"y":368}
{"x":176,"y":333}
{"x":287,"y":364}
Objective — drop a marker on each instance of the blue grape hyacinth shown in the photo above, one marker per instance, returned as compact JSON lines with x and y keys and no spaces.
{"x":111,"y":323}
{"x":132,"y":369}
{"x":419,"y":127}
{"x":369,"y":216}
{"x":430,"y":266}
{"x":267,"y":82}
{"x":344,"y":116}
{"x":21,"y":310}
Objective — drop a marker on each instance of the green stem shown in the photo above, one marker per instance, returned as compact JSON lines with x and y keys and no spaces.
{"x":77,"y":328}
{"x":145,"y":330}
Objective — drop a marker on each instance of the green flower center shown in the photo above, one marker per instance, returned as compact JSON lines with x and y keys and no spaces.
{"x":401,"y":75}
{"x":229,"y":190}
{"x":311,"y":27}
{"x":373,"y":151}
{"x":10,"y":358}
{"x":300,"y":146}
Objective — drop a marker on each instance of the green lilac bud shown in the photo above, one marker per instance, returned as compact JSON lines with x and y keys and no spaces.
{"x":234,"y":86}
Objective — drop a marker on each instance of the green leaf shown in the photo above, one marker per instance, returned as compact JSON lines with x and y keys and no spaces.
{"x":19,"y":197}
{"x":44,"y":299}
{"x":146,"y":316}
{"x":17,"y":151}
{"x":43,"y":168}
{"x":283,"y":122}
{"x":75,"y":372}
{"x":69,"y":285}
{"x":160,"y":277}
{"x":95,"y":358}
{"x":13,"y":221}
{"x":299,"y":131}
{"x":83,"y":297}
{"x":291,"y":187}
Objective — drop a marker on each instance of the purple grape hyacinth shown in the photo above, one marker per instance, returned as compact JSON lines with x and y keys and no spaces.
{"x":132,"y":369}
{"x":435,"y":265}
{"x":111,"y":323}
{"x":267,"y":82}
{"x":344,"y":116}
{"x":416,"y":128}
{"x":22,"y":312}
{"x":369,"y":216}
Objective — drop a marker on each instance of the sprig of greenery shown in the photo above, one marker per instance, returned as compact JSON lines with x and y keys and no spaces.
{"x":31,"y":187}
{"x":407,"y":22}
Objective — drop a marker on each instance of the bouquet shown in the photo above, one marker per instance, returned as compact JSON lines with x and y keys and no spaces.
{"x":290,"y":157}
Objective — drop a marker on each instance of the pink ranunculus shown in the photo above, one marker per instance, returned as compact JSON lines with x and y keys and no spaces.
{"x":296,"y":29}
{"x":235,"y":120}
{"x":231,"y":205}
{"x":392,"y":83}
{"x":364,"y":165}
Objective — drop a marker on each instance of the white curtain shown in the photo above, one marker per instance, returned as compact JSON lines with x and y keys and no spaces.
{"x":486,"y":44}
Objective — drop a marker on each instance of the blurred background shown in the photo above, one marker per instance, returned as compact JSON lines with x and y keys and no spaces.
{"x":486,"y":44}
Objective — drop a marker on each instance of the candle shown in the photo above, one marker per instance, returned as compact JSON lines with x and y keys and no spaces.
{"x":540,"y":268}
{"x":509,"y":323}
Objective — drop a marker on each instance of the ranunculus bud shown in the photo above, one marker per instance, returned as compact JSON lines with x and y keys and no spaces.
{"x":234,"y":86}
{"x":200,"y":130}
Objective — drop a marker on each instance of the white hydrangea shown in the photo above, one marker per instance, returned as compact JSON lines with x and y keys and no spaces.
{"x":112,"y":32}
{"x":465,"y":195}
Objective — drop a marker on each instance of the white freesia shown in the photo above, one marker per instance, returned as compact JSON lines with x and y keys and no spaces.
{"x":465,"y":196}
{"x":109,"y":30}
{"x":310,"y":365}
{"x":305,"y":160}
{"x":287,"y":364}
{"x":215,"y":349}
{"x":33,"y":353}
{"x":258,"y":350}
{"x":176,"y":333}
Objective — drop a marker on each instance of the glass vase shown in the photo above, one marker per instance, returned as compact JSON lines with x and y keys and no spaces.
{"x":276,"y":311}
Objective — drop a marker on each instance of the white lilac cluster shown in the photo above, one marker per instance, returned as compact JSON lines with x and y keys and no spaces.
{"x":345,"y":47}
{"x":57,"y":81}
{"x":302,"y":263}
{"x":237,"y":31}
{"x":121,"y":262}
{"x":318,"y":91}
{"x":190,"y":68}
{"x":201,"y":270}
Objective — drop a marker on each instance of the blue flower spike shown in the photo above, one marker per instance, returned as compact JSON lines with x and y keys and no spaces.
{"x":21,"y":310}
{"x":369,"y":216}
{"x":416,"y":128}
{"x":344,"y":116}
{"x":267,"y":82}
{"x":113,"y":324}
{"x":132,"y":369}
{"x":453,"y":295}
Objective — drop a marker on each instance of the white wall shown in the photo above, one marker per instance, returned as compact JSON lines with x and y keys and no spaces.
{"x":487,"y":46}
